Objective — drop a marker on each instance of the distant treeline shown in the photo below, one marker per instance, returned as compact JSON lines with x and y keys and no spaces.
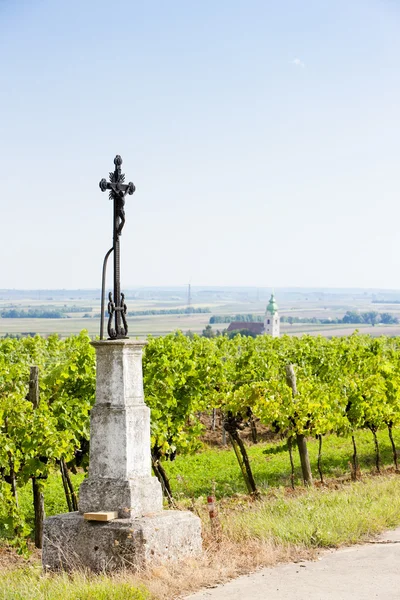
{"x":162,"y":311}
{"x":32,"y":313}
{"x":18,"y":336}
{"x":370,"y":318}
{"x":39,"y":313}
{"x":43,"y":312}
{"x":385,"y":301}
{"x":353,"y":317}
{"x":241,"y":318}
{"x":168,"y":311}
{"x":75,"y":309}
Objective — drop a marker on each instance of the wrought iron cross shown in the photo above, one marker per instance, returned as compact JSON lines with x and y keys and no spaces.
{"x":116,"y":306}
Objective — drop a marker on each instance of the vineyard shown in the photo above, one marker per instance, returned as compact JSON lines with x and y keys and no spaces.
{"x":295,"y":388}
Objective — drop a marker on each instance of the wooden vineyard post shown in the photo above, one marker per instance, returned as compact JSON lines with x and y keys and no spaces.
{"x":355,"y":471}
{"x":12,"y":470}
{"x":373,"y":430}
{"x":290,"y":450}
{"x":390,"y":429}
{"x":66,"y":489}
{"x":213,"y":419}
{"x":162,"y":477}
{"x":223,"y":429}
{"x":74,"y":498}
{"x":320,"y":457}
{"x":230,"y":425}
{"x":301,"y":439}
{"x":253,"y":426}
{"x":213,"y":514}
{"x":38,"y":497}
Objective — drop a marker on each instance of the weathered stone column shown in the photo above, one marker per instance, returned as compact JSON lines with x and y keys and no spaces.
{"x":119,"y":481}
{"x":120,"y":476}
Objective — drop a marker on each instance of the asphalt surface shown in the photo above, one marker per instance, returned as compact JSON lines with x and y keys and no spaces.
{"x":364,"y":572}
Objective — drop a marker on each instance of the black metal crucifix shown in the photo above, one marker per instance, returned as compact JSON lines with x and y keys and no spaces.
{"x":116,"y":306}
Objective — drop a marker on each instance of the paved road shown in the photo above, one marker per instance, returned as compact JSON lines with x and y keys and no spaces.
{"x":362,"y":572}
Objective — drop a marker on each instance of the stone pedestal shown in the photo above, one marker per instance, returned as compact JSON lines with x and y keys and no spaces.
{"x":120,"y":476}
{"x":119,"y":480}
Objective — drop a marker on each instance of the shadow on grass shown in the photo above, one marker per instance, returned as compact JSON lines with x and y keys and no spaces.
{"x":276,"y":449}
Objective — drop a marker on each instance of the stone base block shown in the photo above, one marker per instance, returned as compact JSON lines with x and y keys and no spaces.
{"x":71,"y":542}
{"x":131,"y":498}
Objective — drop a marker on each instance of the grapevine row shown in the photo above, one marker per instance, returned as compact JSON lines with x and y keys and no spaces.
{"x":299,"y":387}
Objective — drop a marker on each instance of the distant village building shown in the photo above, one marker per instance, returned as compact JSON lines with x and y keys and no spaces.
{"x":269,"y":327}
{"x":271,"y":320}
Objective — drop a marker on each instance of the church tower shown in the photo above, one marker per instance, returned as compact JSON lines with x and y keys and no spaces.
{"x":271,"y":320}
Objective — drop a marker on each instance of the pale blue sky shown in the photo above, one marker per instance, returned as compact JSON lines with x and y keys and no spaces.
{"x":263,"y":138}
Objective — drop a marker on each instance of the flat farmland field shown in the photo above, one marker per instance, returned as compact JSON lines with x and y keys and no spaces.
{"x":339,"y":330}
{"x":74,"y":322}
{"x":138,"y":326}
{"x":80,"y":310}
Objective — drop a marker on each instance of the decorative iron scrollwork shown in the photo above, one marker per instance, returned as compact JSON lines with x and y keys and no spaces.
{"x":117,"y":309}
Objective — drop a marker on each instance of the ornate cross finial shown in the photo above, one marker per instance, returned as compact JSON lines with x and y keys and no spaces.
{"x":118,"y":189}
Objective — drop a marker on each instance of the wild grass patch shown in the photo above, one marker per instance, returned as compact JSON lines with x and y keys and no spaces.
{"x":32,"y":584}
{"x":281,"y":526}
{"x":319,"y":517}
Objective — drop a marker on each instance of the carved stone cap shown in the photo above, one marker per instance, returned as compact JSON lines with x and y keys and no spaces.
{"x":124,"y":343}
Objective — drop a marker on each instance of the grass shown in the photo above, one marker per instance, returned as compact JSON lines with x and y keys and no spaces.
{"x":32,"y":584}
{"x":319,"y":517}
{"x":194,"y":476}
{"x":54,"y":498}
{"x":282,"y":525}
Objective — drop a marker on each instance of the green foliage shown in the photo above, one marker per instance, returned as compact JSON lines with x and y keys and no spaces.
{"x":34,"y":439}
{"x":244,"y":332}
{"x":32,"y":313}
{"x":13,"y":525}
{"x":177,"y":370}
{"x":247,"y":318}
{"x":344,"y":385}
